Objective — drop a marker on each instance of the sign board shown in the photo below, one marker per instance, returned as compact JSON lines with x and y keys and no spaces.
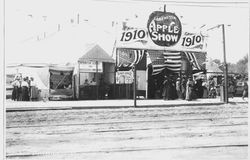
{"x":164,"y":28}
{"x":192,"y":41}
{"x":189,"y":41}
{"x":90,"y":66}
{"x":164,"y":32}
{"x":124,"y":77}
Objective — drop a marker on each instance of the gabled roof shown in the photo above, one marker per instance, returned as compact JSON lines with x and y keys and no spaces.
{"x":212,"y":67}
{"x":96,"y":53}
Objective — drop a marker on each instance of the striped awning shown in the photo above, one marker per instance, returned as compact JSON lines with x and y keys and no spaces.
{"x":172,"y":60}
{"x":129,"y":57}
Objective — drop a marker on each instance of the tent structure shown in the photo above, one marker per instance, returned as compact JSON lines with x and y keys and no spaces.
{"x":61,"y":82}
{"x":97,"y":54}
{"x":40,"y":73}
{"x":97,"y":62}
{"x":213,"y":69}
{"x":43,"y":77}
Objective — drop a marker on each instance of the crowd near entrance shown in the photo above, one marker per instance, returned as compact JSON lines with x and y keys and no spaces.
{"x":170,"y":86}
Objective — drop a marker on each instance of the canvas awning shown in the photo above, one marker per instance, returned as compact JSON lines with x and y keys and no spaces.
{"x":98,"y":54}
{"x":61,"y":68}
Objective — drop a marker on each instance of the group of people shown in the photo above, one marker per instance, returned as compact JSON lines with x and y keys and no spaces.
{"x":190,"y":89}
{"x":232,"y":87}
{"x":24,"y":89}
{"x":187,"y":88}
{"x":87,"y":83}
{"x":177,"y":89}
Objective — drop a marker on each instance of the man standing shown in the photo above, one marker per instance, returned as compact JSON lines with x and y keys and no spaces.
{"x":25,"y":89}
{"x":189,"y":90}
{"x":178,"y":87}
{"x":33,"y":90}
{"x":245,"y":89}
{"x":166,"y":89}
{"x":183,"y":88}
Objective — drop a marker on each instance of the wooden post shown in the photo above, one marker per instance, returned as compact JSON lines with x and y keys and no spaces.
{"x":79,"y":79}
{"x":146,"y":82}
{"x":96,"y":80}
{"x":114,"y":92}
{"x":225,"y":65}
{"x":134,"y":85}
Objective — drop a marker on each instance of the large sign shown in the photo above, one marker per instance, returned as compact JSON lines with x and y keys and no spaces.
{"x":164,"y":32}
{"x":189,"y":41}
{"x":164,"y":28}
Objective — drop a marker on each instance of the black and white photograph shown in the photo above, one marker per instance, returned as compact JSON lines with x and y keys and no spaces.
{"x":125,"y":79}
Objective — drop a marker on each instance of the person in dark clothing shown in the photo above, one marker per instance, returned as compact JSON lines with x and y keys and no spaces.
{"x":166,"y":89}
{"x":16,"y":85}
{"x":198,"y":88}
{"x":189,"y":89}
{"x":178,"y":88}
{"x":172,"y":92}
{"x":211,"y":88}
{"x":183,"y":88}
{"x":19,"y":89}
{"x":245,"y":90}
{"x":25,"y":90}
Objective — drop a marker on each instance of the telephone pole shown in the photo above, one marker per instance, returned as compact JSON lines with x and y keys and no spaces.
{"x":225,"y":65}
{"x":225,"y":71}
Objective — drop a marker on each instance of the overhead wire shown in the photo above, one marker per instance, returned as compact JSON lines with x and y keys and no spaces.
{"x":186,"y":3}
{"x":220,"y":4}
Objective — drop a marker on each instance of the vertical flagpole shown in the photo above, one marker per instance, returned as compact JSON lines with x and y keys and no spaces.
{"x":225,"y":67}
{"x":115,"y":50}
{"x":114,"y":92}
{"x":96,"y":80}
{"x":146,"y":76}
{"x":79,"y":83}
{"x":134,"y":85}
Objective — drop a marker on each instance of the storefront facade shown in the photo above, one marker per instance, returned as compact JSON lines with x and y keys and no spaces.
{"x":164,"y":48}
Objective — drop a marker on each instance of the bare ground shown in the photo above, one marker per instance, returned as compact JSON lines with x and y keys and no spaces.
{"x":178,"y":133}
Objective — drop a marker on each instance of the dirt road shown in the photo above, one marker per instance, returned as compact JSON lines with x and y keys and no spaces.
{"x":178,"y":133}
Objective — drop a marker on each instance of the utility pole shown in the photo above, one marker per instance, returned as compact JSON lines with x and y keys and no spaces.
{"x":134,"y":85}
{"x":225,"y":71}
{"x":225,"y":65}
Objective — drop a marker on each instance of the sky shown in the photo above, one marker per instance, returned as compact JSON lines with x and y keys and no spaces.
{"x":46,"y":31}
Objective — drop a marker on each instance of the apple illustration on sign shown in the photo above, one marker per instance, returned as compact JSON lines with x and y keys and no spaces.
{"x":164,"y":28}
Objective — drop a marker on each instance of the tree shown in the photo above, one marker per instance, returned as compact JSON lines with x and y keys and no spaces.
{"x":242,"y":66}
{"x":217,"y":61}
{"x":231,"y":67}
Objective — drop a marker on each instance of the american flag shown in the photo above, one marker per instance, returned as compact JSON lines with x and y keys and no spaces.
{"x":172,"y":60}
{"x":197,"y":59}
{"x":129,"y":57}
{"x":156,"y":58}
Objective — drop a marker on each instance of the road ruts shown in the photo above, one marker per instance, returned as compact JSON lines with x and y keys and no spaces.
{"x":178,"y":133}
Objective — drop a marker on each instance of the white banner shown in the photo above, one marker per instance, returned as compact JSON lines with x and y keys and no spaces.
{"x":139,"y":39}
